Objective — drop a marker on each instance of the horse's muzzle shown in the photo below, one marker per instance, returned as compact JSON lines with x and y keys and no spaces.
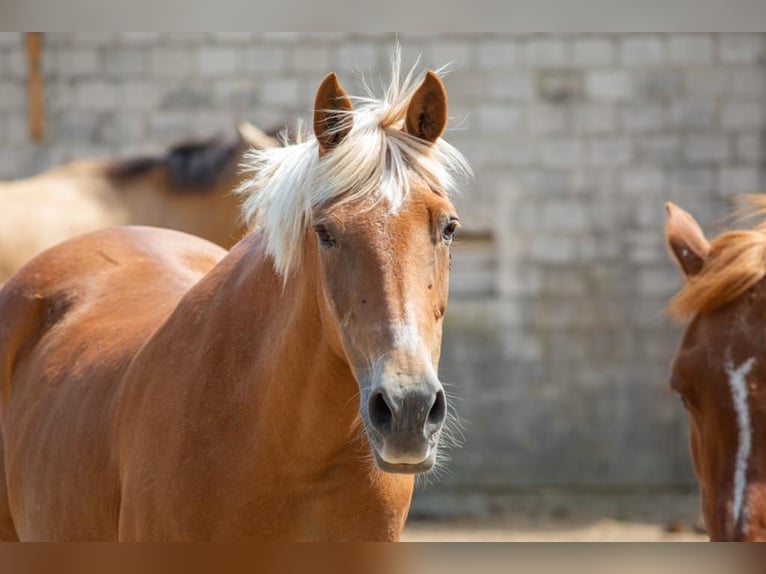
{"x":406,"y":421}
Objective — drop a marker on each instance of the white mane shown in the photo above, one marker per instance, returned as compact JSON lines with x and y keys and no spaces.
{"x":375,"y":161}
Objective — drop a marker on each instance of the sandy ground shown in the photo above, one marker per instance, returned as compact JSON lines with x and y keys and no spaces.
{"x":645,"y":518}
{"x":601,"y":531}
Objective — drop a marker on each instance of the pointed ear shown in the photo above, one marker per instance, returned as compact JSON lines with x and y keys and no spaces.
{"x":685,"y":240}
{"x":331,"y":123}
{"x":427,"y":111}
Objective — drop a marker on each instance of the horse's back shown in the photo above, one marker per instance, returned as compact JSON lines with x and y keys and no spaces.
{"x":73,"y":318}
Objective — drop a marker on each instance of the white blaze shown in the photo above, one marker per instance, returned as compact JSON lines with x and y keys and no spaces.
{"x":739,"y":395}
{"x":406,"y":335}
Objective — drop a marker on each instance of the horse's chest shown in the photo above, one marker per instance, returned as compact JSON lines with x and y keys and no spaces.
{"x":325,"y":512}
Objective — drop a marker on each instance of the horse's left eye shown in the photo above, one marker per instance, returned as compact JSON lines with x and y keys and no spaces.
{"x":449,"y":230}
{"x":325,"y":239}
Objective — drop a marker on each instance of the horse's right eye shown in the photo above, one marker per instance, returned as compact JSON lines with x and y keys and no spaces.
{"x":325,"y":239}
{"x":449,"y":230}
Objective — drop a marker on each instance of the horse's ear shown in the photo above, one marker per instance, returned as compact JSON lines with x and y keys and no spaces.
{"x":332,"y":120}
{"x":427,"y":111}
{"x":685,"y":240}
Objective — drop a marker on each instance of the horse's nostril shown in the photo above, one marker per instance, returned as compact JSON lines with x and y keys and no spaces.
{"x":381,"y":416}
{"x":438,"y":410}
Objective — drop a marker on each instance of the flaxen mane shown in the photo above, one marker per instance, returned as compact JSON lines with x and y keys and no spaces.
{"x":376,"y":161}
{"x":737,"y":261}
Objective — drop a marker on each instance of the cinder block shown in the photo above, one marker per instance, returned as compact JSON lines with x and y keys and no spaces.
{"x":658,"y":83}
{"x":125,"y":62}
{"x":691,"y":49}
{"x":512,"y":86}
{"x":498,"y":118}
{"x":608,"y":84}
{"x":75,"y":63}
{"x":170,"y":62}
{"x":15,"y":64}
{"x":741,"y":48}
{"x":693,"y":115}
{"x":454,"y":52}
{"x":498,"y":54}
{"x":215,"y":62}
{"x":11,"y":39}
{"x":591,"y":118}
{"x":560,"y":153}
{"x":640,"y":50}
{"x":13,"y":97}
{"x":750,"y":147}
{"x":565,"y":216}
{"x":743,"y":115}
{"x":706,"y":82}
{"x":592,"y":52}
{"x":748,"y":82}
{"x":546,"y":119}
{"x":92,"y":39}
{"x":644,"y":117}
{"x":610,"y":152}
{"x":694,"y":182}
{"x":706,"y":148}
{"x":740,"y":180}
{"x":283,"y":92}
{"x":659,"y":149}
{"x":266,"y":59}
{"x":96,"y":95}
{"x":560,"y":86}
{"x":643,"y":181}
{"x":357,"y":57}
{"x":549,"y":248}
{"x":542,"y":52}
{"x":140,"y":94}
{"x":310,"y":59}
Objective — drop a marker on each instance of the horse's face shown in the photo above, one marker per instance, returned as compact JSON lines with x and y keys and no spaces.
{"x":719,"y":373}
{"x":384,"y":279}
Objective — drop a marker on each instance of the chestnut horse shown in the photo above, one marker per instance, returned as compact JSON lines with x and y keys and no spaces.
{"x":156,"y":387}
{"x":720,"y":369}
{"x":189,"y":189}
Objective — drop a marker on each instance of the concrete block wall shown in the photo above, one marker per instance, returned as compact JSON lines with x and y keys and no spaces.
{"x":556,"y":340}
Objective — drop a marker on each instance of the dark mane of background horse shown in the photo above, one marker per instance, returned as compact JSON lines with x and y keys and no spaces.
{"x":192,"y":166}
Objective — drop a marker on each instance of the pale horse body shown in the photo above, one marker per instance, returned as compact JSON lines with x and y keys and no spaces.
{"x":189,"y":189}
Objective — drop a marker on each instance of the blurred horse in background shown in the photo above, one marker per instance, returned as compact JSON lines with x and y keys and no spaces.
{"x":189,"y":188}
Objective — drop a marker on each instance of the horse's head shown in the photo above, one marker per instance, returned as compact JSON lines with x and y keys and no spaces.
{"x":385,"y":275}
{"x":379,"y":223}
{"x":720,"y":371}
{"x":384,"y":262}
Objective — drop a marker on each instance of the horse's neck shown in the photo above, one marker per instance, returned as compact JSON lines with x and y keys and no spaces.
{"x":271,"y":336}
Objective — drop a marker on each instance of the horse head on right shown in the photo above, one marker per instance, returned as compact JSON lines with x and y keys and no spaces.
{"x":719,"y":371}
